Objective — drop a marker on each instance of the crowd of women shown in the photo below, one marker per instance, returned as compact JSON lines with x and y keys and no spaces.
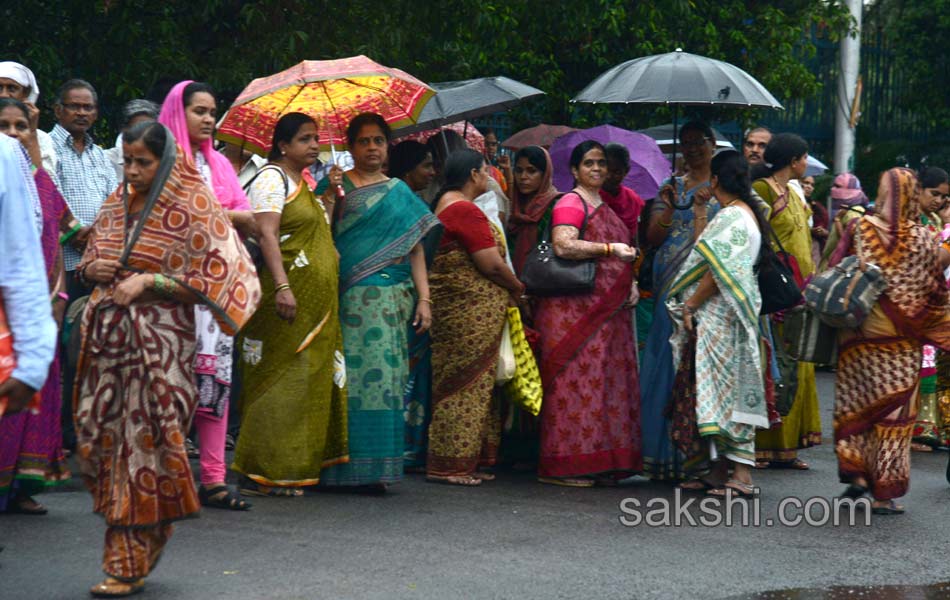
{"x":357,"y":327}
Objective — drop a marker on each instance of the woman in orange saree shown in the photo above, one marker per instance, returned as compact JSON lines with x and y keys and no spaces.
{"x":879,"y":362}
{"x":160,"y":244}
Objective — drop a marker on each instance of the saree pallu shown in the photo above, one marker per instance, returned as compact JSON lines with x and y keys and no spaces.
{"x":730,"y":386}
{"x":590,"y":417}
{"x":418,"y":398}
{"x":293,"y":397}
{"x":661,"y":460}
{"x":801,"y":427}
{"x":379,"y":226}
{"x":31,"y":444}
{"x":877,"y":380}
{"x":469,"y":314}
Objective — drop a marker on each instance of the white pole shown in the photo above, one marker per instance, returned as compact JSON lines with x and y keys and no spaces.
{"x":847,"y":87}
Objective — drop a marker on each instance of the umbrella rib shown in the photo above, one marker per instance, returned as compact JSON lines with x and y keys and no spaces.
{"x":381,"y":91}
{"x":326,"y":92}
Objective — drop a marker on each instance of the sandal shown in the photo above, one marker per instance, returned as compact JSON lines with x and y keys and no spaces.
{"x":567,"y":481}
{"x":484,"y":476}
{"x":114,"y":588}
{"x":696,"y":485}
{"x":250,"y":487}
{"x":25,"y":505}
{"x":920,"y":447}
{"x":891,"y":508}
{"x":229,"y":442}
{"x":466,"y":480}
{"x":221,"y":496}
{"x":740,"y":489}
{"x":854,"y":491}
{"x":796,"y":464}
{"x":762,"y":464}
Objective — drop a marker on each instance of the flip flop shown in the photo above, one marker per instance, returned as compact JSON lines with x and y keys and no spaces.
{"x":796,"y":465}
{"x":892,"y":508}
{"x":696,"y":485}
{"x":16,"y":507}
{"x":567,"y":481}
{"x":251,"y":488}
{"x":463,"y":480}
{"x":740,"y":489}
{"x":113,"y":588}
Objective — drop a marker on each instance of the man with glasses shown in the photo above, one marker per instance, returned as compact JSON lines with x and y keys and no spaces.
{"x":86,"y":178}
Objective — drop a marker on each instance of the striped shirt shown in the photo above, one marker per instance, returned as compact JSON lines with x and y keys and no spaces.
{"x":85,"y":180}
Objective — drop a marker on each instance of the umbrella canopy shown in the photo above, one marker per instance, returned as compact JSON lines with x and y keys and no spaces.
{"x":469,"y":99}
{"x":539,"y":135}
{"x":815,"y":167}
{"x":663,"y":134}
{"x":330,"y":91}
{"x":648,"y":166}
{"x":473,"y":137}
{"x":678,"y":78}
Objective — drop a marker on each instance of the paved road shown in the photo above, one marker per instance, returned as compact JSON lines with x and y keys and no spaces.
{"x":512,"y":538}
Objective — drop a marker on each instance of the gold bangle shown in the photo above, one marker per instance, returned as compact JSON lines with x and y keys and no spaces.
{"x":607,"y":250}
{"x":665,"y":225}
{"x":281,"y":287}
{"x":426,"y":300}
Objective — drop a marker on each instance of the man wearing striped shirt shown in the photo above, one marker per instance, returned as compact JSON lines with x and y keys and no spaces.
{"x":86,"y":178}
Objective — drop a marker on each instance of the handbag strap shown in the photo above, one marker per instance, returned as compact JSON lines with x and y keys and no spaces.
{"x":859,"y":246}
{"x":546,"y":235}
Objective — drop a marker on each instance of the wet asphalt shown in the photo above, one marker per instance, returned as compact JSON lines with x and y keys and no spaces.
{"x":511,"y":538}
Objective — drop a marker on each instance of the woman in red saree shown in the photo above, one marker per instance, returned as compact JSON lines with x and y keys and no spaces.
{"x":590,"y":417}
{"x":879,"y":362}
{"x":160,"y":244}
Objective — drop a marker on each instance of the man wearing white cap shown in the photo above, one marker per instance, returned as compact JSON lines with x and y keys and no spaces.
{"x":18,"y":82}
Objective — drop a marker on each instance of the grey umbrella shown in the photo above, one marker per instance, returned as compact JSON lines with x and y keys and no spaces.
{"x":464,"y":100}
{"x":677,"y":78}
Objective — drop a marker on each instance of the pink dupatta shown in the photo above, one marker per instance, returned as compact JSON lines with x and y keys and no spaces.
{"x":224,"y":180}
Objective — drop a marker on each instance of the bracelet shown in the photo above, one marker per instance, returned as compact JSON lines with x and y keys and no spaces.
{"x":158,"y":283}
{"x":68,"y":235}
{"x":72,"y":223}
{"x":426,"y":300}
{"x":607,"y":249}
{"x":665,"y":225}
{"x":281,"y":287}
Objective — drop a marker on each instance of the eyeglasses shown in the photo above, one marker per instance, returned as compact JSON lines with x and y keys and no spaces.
{"x":73,"y":107}
{"x":694,"y":143}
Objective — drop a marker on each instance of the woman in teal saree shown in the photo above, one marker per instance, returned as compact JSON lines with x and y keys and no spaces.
{"x":383,"y":286}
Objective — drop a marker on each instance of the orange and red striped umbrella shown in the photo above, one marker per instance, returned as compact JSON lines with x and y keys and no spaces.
{"x":330,"y":91}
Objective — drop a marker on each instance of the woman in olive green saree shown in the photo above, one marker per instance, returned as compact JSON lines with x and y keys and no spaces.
{"x":293,"y":401}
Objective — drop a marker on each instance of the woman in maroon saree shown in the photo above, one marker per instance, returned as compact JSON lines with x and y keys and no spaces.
{"x":590,"y":417}
{"x":31,"y":449}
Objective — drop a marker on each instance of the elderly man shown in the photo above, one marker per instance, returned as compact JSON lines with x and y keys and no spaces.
{"x":86,"y":178}
{"x":753,"y":147}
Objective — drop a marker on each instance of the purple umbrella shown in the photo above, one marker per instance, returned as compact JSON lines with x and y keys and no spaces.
{"x":648,"y":167}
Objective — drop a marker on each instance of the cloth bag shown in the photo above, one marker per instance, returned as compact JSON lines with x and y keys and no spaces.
{"x":506,"y":358}
{"x":809,"y":338}
{"x":844,"y":295}
{"x":544,"y":274}
{"x":524,"y":389}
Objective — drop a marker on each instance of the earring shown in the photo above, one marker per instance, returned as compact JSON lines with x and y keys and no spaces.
{"x":283,"y":153}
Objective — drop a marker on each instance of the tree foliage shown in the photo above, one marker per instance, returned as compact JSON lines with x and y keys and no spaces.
{"x":126,"y":47}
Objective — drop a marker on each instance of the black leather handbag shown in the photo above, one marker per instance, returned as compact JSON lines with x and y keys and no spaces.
{"x":545,"y":274}
{"x":777,"y":284}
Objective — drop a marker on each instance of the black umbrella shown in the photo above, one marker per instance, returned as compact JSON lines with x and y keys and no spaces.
{"x":677,"y":78}
{"x":464,"y":100}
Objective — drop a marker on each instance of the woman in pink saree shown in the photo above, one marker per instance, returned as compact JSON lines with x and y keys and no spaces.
{"x":590,"y":417}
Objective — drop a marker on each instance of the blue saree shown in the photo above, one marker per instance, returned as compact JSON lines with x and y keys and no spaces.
{"x":380,"y":225}
{"x":660,"y":459}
